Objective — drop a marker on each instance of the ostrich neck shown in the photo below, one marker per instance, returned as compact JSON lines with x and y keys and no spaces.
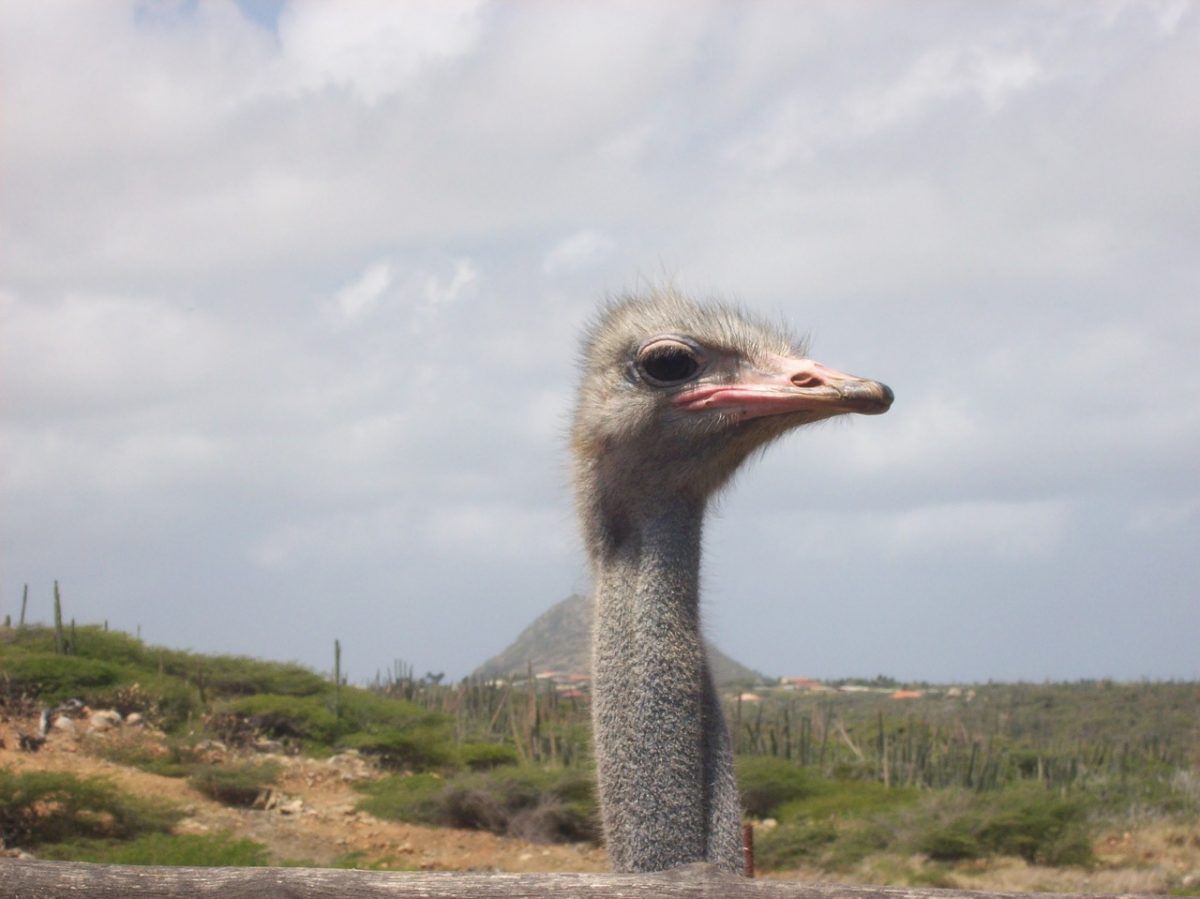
{"x":665,"y":769}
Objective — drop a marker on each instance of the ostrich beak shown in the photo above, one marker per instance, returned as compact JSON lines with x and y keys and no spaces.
{"x":789,"y":385}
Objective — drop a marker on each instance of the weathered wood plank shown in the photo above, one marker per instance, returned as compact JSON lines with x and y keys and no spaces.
{"x":24,"y":879}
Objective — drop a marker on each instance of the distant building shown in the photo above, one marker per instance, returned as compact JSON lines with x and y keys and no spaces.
{"x":802,"y":683}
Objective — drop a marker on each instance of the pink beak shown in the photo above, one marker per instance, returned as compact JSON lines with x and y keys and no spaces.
{"x":797,"y":385}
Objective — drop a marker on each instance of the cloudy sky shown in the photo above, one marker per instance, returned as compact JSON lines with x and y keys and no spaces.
{"x":290,"y":297}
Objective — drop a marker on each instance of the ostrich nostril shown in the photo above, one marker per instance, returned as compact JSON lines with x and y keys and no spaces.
{"x":806,"y":379}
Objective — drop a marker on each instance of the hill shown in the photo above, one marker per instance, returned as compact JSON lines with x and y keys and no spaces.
{"x":559,"y":640}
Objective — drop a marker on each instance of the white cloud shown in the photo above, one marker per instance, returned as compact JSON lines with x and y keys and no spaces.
{"x":504,"y":530}
{"x":439,"y":291}
{"x":92,"y":352}
{"x":358,"y":298}
{"x":998,"y":529}
{"x":382,"y":49}
{"x":801,"y":125}
{"x":579,"y":250}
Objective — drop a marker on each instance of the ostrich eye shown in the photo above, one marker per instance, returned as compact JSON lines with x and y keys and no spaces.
{"x":668,"y":362}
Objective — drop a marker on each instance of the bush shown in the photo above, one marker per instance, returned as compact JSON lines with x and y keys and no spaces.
{"x":199,"y":850}
{"x":305,"y":718}
{"x":1026,"y":821}
{"x":1039,"y":827}
{"x":400,"y":732}
{"x":481,"y":756}
{"x":952,"y":842}
{"x":418,"y":748}
{"x":234,"y":784}
{"x":227,"y":676}
{"x":53,"y":678}
{"x":858,"y":840}
{"x":766,"y":783}
{"x":789,"y":845}
{"x":48,"y":807}
{"x":415,"y":798}
{"x":364,"y":710}
{"x":544,"y":805}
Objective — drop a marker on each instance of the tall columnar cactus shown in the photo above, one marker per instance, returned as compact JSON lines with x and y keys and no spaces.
{"x":60,"y":642}
{"x":337,"y":679}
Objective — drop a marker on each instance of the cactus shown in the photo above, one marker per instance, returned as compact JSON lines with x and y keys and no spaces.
{"x":337,"y":679}
{"x":59,"y":637}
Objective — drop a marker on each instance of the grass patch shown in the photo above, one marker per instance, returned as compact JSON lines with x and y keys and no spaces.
{"x":358,"y":861}
{"x":199,"y":850}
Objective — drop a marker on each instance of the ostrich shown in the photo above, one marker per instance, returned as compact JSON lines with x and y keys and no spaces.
{"x":674,"y":397}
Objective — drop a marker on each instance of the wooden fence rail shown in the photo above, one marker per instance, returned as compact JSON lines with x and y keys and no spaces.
{"x":24,"y":879}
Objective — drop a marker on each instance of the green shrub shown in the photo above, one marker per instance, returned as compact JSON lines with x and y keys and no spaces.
{"x":199,"y":850}
{"x":47,"y":807}
{"x":546,"y":805}
{"x":951,"y":842}
{"x":219,"y":676}
{"x":859,"y":839}
{"x":305,"y":718}
{"x":400,"y":732}
{"x":1040,"y":827}
{"x":481,"y":756}
{"x":53,"y":678}
{"x":414,"y":798}
{"x":418,"y":748}
{"x":234,"y":784}
{"x":794,"y":843}
{"x":1027,"y":820}
{"x":364,"y":710}
{"x":845,"y":799}
{"x":766,"y":783}
{"x":228,"y":676}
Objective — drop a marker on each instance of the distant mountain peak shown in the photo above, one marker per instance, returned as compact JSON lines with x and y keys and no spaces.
{"x":559,"y":640}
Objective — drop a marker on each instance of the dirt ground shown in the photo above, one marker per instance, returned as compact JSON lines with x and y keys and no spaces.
{"x":310,"y":819}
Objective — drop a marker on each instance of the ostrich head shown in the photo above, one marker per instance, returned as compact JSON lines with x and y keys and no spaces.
{"x":676,"y":395}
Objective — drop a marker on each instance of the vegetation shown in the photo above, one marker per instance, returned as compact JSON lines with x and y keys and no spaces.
{"x":538,"y":804}
{"x":201,"y":850}
{"x":39,"y":807}
{"x":238,"y":785}
{"x":837,"y":824}
{"x":1033,"y":771}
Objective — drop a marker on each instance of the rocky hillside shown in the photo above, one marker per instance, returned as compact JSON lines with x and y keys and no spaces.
{"x":558,"y":640}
